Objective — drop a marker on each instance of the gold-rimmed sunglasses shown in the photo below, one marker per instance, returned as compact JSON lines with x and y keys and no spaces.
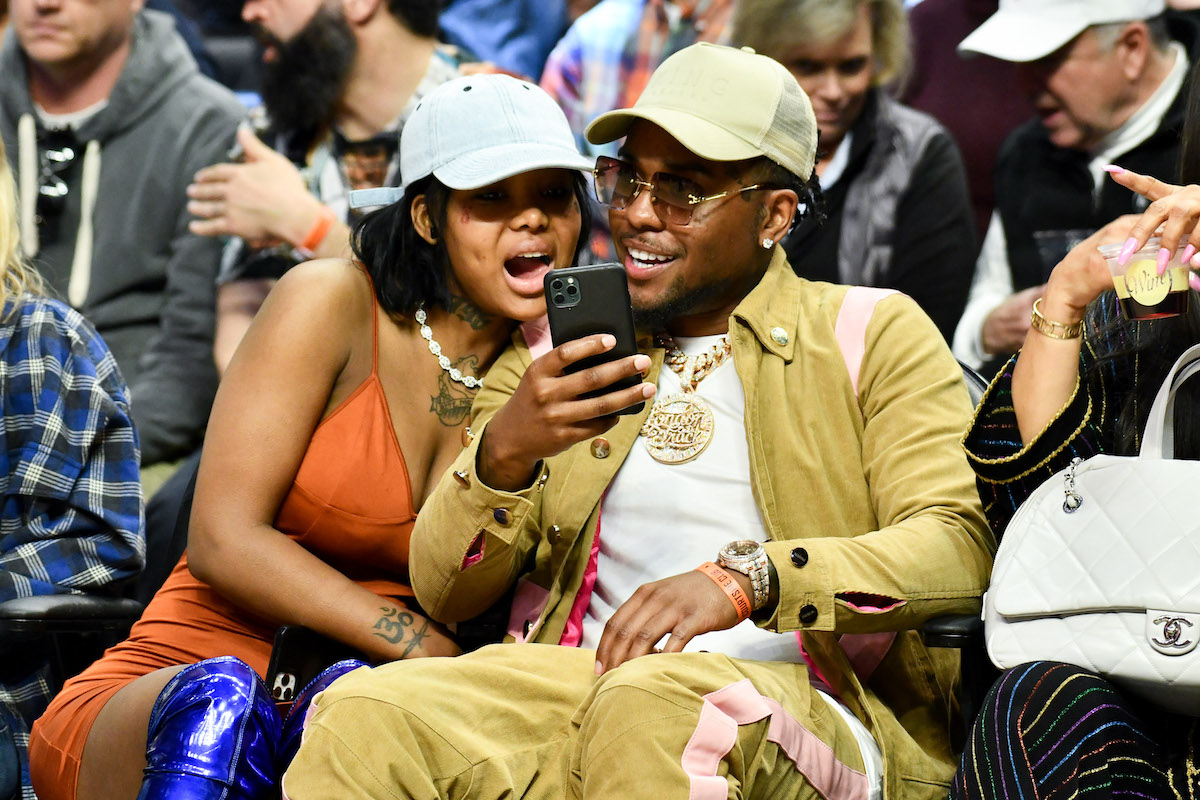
{"x":673,"y":197}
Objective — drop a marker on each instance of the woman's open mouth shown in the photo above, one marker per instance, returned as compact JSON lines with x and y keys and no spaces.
{"x":525,"y":272}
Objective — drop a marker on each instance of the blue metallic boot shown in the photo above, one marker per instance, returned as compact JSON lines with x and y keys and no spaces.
{"x":213,"y":735}
{"x":293,"y":726}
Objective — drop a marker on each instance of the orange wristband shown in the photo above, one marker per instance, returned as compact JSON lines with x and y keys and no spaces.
{"x":316,"y":234}
{"x":728,"y":585}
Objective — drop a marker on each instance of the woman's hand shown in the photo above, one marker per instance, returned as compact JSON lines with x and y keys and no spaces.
{"x":1174,"y":209}
{"x":1083,"y":274}
{"x":546,"y":414}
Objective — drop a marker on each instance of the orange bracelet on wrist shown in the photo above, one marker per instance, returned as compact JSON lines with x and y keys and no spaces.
{"x":728,"y":585}
{"x":316,"y":234}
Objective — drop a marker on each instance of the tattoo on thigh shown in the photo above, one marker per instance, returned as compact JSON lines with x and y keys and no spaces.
{"x":395,"y":624}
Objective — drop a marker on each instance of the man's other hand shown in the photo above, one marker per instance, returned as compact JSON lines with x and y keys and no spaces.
{"x":683,"y":606}
{"x":261,"y":198}
{"x":1005,"y":328}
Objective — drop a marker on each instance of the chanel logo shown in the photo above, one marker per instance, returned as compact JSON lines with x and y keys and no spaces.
{"x":1172,"y":631}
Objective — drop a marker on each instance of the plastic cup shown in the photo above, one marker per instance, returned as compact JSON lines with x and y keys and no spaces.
{"x":1141,"y":292}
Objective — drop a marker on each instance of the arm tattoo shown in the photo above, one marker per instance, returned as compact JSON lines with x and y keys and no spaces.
{"x":395,"y":623}
{"x":417,"y":638}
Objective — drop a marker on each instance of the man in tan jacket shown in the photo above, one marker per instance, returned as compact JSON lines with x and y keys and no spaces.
{"x":805,"y":436}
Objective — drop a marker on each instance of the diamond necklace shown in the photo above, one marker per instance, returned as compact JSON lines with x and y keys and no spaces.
{"x":470,"y":381}
{"x":702,"y":364}
{"x":680,"y":425}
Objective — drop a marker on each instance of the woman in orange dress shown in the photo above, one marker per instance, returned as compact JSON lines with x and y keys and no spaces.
{"x":344,"y":404}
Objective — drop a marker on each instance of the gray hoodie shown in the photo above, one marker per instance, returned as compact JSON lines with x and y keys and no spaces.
{"x":148,"y":285}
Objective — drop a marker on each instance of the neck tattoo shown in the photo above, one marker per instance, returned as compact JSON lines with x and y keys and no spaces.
{"x":469,"y":313}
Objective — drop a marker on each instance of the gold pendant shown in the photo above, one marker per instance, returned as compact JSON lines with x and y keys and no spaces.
{"x":678,"y":429}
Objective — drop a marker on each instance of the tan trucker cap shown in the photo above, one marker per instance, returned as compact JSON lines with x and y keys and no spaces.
{"x":724,"y":104}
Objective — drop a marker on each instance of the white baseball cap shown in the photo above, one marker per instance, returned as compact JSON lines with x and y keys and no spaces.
{"x":476,"y":130}
{"x":1026,"y":30}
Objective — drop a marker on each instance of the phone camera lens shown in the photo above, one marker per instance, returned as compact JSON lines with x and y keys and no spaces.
{"x":572,"y":290}
{"x":559,"y":299}
{"x":556,"y":284}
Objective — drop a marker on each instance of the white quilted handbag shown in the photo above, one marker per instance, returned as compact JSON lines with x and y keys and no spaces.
{"x":1100,"y":567}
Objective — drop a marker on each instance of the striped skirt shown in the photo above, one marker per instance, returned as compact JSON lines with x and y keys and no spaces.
{"x":1051,"y":731}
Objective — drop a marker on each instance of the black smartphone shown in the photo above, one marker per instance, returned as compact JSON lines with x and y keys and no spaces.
{"x":581,"y":301}
{"x":298,"y":655}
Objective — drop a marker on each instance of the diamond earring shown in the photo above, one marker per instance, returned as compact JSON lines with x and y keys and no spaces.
{"x":768,"y":243}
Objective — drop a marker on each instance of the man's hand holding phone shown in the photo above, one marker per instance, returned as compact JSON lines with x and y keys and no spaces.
{"x":547,"y":413}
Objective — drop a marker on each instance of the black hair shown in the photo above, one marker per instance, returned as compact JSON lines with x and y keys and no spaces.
{"x":1147,"y":350}
{"x":419,"y":16}
{"x":407,"y":270}
{"x":812,"y":200}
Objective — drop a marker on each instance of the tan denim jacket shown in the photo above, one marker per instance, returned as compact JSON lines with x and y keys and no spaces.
{"x":873,"y":485}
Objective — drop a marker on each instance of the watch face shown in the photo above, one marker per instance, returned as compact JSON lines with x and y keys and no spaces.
{"x":742,"y":548}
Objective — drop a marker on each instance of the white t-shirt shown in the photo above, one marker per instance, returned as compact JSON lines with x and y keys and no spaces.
{"x":709,"y":498}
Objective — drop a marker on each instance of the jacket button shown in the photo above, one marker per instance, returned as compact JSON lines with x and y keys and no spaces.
{"x":501,"y":515}
{"x":552,"y":534}
{"x":808,"y":614}
{"x":462,"y":477}
{"x":799,"y":556}
{"x":467,"y":436}
{"x":600,"y":447}
{"x":527,"y":627}
{"x":779,"y":336}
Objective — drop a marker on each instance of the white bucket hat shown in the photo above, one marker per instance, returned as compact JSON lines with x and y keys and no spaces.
{"x":477,"y":130}
{"x":1026,"y":30}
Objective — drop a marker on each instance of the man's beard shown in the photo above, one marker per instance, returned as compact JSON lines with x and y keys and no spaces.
{"x":675,"y":303}
{"x":302,"y":86}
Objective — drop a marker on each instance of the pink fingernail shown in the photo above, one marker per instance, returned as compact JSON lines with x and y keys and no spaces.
{"x":1188,"y":252}
{"x":1164,"y":255}
{"x":1127,"y":251}
{"x":1194,"y":281}
{"x":1113,"y":169}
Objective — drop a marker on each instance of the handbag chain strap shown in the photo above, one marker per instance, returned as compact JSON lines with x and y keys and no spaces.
{"x":1072,"y":500}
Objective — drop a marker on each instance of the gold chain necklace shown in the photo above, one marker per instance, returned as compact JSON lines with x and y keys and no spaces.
{"x":680,"y":425}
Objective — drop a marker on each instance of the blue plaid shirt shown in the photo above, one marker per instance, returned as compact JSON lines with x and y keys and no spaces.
{"x":72,"y":519}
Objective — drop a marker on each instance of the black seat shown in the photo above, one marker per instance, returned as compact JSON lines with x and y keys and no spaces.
{"x":964,"y":632}
{"x":71,"y":630}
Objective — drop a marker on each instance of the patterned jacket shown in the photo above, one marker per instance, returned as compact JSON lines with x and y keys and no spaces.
{"x":71,"y":519}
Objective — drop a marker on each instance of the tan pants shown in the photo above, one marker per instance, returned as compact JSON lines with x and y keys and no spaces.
{"x":533,"y":721}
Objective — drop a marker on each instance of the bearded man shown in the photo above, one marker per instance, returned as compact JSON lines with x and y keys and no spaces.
{"x":339,"y":80}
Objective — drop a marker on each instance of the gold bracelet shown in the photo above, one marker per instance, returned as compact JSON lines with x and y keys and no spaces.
{"x":1048,"y":327}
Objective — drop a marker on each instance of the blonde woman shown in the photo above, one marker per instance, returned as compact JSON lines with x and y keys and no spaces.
{"x":71,"y":513}
{"x":897,"y":210}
